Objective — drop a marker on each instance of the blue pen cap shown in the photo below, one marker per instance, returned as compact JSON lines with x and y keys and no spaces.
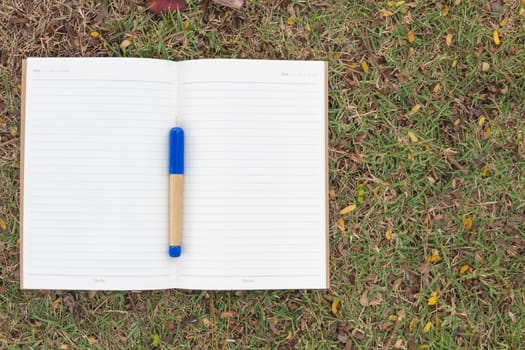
{"x":176,"y":151}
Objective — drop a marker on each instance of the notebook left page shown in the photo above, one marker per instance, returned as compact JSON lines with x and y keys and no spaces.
{"x":94,"y":173}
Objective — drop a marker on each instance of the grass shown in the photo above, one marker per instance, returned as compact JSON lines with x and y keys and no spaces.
{"x":424,"y":174}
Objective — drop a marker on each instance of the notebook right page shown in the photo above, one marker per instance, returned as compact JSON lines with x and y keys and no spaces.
{"x":255,"y":208}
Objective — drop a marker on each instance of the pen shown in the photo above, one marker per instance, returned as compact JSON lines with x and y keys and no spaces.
{"x":175,"y":196}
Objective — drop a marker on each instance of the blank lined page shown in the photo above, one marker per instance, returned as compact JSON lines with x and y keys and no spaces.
{"x":255,"y":177}
{"x":95,"y":173}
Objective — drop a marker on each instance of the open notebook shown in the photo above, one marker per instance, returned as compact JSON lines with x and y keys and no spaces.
{"x":94,"y":211}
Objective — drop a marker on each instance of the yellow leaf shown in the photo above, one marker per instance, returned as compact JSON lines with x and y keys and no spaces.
{"x":433,"y":300}
{"x":468,"y":223}
{"x":91,"y":340}
{"x":521,"y":11}
{"x":56,"y":303}
{"x":457,"y":122}
{"x":387,"y":13}
{"x":486,"y":133}
{"x":485,"y":172}
{"x":350,"y":67}
{"x":423,"y":347}
{"x":434,"y":258}
{"x":186,"y":25}
{"x":485,"y":67}
{"x":523,"y":2}
{"x":289,"y":336}
{"x":464,"y":268}
{"x":444,"y":10}
{"x":409,"y":156}
{"x":399,"y":3}
{"x":341,"y":225}
{"x":495,"y":36}
{"x":308,"y":28}
{"x":390,"y":4}
{"x":348,"y":209}
{"x":454,"y":63}
{"x":427,"y":327}
{"x":415,"y":108}
{"x":94,"y":35}
{"x":411,"y":37}
{"x":504,"y":22}
{"x":437,"y":87}
{"x":3,"y":226}
{"x":291,"y":20}
{"x":388,"y":234}
{"x":392,"y":318}
{"x":412,"y":136}
{"x":448,"y":39}
{"x":13,"y":131}
{"x":364,"y":65}
{"x":337,"y":55}
{"x":481,"y":120}
{"x":335,"y":307}
{"x":413,"y":324}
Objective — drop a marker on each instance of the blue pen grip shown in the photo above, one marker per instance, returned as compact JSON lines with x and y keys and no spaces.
{"x":176,"y":151}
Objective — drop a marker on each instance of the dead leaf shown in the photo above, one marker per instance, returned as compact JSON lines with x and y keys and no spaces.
{"x":433,"y":300}
{"x":388,"y":234}
{"x":481,"y":120}
{"x":102,"y":12}
{"x":412,"y":136}
{"x":336,"y":305}
{"x":486,"y":133}
{"x":464,"y":268}
{"x":411,"y":36}
{"x":162,"y":6}
{"x":495,"y":36}
{"x":387,"y":13}
{"x":384,"y":326}
{"x":363,"y":300}
{"x":227,"y":314}
{"x":348,"y":209}
{"x":398,"y":344}
{"x":125,"y":43}
{"x":445,"y":10}
{"x":273,"y":322}
{"x":427,"y":327}
{"x":364,"y":66}
{"x":236,"y":4}
{"x":448,"y":41}
{"x":415,"y":108}
{"x":413,"y":324}
{"x":91,"y":340}
{"x":425,"y":274}
{"x":434,"y":258}
{"x":341,"y":225}
{"x":485,"y":67}
{"x":468,"y":223}
{"x":332,"y":194}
